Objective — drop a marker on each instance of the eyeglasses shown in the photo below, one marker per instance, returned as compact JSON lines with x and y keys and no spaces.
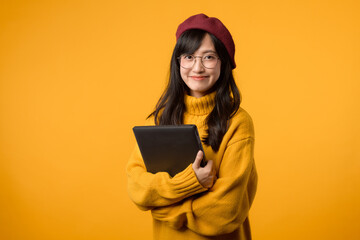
{"x":208,"y":60}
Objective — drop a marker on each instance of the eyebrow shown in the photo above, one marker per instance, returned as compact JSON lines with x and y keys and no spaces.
{"x":209,"y":51}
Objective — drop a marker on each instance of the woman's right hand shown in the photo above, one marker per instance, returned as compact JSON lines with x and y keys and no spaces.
{"x":205,"y":175}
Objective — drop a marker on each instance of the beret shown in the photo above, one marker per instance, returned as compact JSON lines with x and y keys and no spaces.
{"x":213,"y":26}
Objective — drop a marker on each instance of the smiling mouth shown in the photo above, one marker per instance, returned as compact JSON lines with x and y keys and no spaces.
{"x":198,"y":77}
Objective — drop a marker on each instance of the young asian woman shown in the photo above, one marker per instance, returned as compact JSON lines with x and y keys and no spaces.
{"x":210,"y":202}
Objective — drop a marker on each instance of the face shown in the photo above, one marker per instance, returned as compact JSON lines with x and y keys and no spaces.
{"x":198,"y":78}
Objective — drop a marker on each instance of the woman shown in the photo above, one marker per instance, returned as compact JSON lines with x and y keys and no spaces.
{"x":210,"y":202}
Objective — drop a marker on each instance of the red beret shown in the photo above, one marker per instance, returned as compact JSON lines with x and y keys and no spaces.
{"x":213,"y":26}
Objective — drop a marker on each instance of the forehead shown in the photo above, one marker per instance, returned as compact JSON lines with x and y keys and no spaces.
{"x":206,"y":45}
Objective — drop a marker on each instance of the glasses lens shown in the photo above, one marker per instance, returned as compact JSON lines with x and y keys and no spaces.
{"x":209,"y":60}
{"x":187,"y":61}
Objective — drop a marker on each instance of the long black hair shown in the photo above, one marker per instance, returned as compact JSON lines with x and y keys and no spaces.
{"x":171,"y":107}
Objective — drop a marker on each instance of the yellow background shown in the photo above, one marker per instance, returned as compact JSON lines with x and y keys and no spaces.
{"x":76,"y":76}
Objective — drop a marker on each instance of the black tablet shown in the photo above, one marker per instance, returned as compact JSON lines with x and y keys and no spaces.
{"x":168,"y":148}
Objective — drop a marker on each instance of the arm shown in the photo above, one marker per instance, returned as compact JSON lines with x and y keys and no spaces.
{"x":225,"y":206}
{"x":149,"y":190}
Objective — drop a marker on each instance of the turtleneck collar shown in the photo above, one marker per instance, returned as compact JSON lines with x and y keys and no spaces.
{"x":200,"y":106}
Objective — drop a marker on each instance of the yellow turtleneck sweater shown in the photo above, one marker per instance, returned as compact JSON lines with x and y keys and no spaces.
{"x":180,"y":206}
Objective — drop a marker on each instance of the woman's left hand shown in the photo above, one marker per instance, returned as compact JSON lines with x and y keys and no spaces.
{"x":205,"y":175}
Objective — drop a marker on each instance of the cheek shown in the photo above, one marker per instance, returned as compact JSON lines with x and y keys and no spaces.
{"x":183,"y":74}
{"x":217,"y":73}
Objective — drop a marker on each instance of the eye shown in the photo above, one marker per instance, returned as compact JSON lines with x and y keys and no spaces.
{"x":188,"y":57}
{"x":209,"y":57}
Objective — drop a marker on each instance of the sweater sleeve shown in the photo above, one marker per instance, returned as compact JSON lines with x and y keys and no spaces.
{"x":226,"y":205}
{"x":149,"y":190}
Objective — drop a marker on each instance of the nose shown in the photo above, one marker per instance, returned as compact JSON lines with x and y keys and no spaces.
{"x":198,"y":67}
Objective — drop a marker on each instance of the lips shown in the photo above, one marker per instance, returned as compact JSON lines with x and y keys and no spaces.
{"x":198,"y":78}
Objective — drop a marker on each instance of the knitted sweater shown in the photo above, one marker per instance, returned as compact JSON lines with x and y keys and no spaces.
{"x":180,"y":206}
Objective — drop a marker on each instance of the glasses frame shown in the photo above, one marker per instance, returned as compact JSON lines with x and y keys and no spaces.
{"x":201,"y":60}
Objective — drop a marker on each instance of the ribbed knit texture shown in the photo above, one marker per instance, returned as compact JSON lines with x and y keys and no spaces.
{"x":180,"y":206}
{"x":199,"y":106}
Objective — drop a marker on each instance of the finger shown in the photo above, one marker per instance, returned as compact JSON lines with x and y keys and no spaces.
{"x":198,"y":158}
{"x":210,"y":164}
{"x":214,"y":173}
{"x":215,"y":178}
{"x":212,"y":167}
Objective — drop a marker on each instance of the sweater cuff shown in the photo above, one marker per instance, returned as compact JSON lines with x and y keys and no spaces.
{"x":187,"y":182}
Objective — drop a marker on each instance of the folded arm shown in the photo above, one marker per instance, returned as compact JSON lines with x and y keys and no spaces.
{"x":149,"y":190}
{"x":225,"y":206}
